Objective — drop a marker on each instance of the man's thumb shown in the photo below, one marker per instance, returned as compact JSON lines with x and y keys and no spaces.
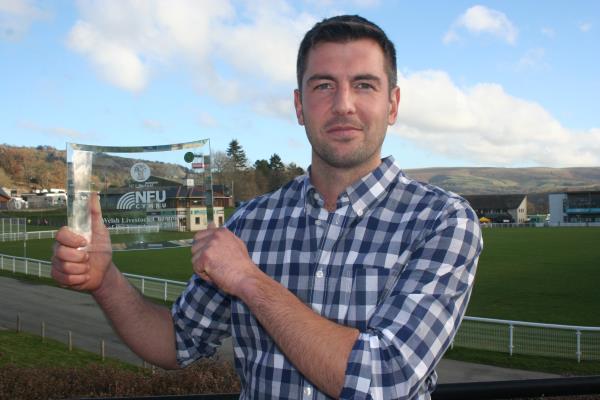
{"x":96,"y":212}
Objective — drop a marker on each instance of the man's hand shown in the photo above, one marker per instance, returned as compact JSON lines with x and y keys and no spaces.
{"x":221,"y":258}
{"x":78,"y":264}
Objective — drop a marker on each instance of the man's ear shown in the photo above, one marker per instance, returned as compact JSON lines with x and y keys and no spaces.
{"x":394,"y":103}
{"x":298,"y":106}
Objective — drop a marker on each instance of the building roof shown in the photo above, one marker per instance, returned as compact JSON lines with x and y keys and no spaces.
{"x":495,"y":201}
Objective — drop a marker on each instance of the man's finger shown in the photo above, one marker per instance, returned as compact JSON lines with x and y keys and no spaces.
{"x":69,"y":280}
{"x":65,"y":253}
{"x":67,"y":237}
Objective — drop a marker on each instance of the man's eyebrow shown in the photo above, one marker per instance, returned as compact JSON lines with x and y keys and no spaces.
{"x":360,"y":77}
{"x":366,"y":77}
{"x":320,"y":77}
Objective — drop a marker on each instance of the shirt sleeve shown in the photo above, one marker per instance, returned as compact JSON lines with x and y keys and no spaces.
{"x":413,"y":327}
{"x":201,"y":317}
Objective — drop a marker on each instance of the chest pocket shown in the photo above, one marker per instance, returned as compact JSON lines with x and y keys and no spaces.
{"x":352,"y":298}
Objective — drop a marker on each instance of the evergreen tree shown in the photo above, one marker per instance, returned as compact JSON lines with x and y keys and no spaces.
{"x":275,"y":163}
{"x":237,"y":155}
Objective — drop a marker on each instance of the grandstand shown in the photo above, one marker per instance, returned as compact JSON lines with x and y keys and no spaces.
{"x":579,"y":206}
{"x":500,"y":208}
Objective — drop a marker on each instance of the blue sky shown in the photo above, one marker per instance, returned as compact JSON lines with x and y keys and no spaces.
{"x":493,"y":83}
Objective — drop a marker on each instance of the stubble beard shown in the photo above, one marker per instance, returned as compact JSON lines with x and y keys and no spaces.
{"x":334,"y":158}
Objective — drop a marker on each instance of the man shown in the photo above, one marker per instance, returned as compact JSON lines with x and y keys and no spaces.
{"x":349,"y":282}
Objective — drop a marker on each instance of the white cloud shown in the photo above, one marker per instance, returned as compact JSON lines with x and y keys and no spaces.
{"x":267,"y":45}
{"x":532,"y":59}
{"x":129,"y":41}
{"x":207,"y":120}
{"x":485,"y":124}
{"x":59,"y":132}
{"x":548,"y":32}
{"x":585,"y":26}
{"x":280,"y":107}
{"x":126,"y":39}
{"x":480,"y":19}
{"x":16,"y":17}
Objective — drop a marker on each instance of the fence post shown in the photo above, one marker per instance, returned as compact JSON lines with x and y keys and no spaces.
{"x":510,"y":339}
{"x":39,"y":269}
{"x":578,"y":334}
{"x":18,"y":322}
{"x":43,"y":328}
{"x":102,"y":348}
{"x":14,"y":266}
{"x":143,"y":285}
{"x":70,"y":341}
{"x":165,"y":290}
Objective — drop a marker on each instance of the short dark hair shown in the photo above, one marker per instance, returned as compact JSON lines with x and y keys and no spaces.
{"x":346,"y":28}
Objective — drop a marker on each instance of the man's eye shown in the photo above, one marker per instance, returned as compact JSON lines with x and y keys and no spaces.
{"x":323,"y":86}
{"x":364,"y":85}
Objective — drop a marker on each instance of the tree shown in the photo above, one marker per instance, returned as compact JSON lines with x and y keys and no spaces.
{"x":293,"y":170}
{"x":237,"y":155}
{"x":275,"y":163}
{"x":262,"y":172}
{"x":262,"y":166}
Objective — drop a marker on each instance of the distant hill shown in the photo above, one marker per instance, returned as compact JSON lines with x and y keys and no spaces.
{"x":509,"y":180}
{"x":44,"y":167}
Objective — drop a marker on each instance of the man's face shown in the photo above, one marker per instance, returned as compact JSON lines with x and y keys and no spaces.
{"x":346,"y":104}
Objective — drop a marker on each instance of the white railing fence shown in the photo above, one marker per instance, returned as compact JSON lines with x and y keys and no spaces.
{"x":163,"y":289}
{"x":518,"y":337}
{"x":581,"y":343}
{"x":14,"y":236}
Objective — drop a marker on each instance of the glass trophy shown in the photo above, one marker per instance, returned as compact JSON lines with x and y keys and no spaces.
{"x":142,"y":189}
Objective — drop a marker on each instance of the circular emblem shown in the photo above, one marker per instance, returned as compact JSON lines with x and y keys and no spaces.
{"x":188,"y":157}
{"x":140,"y":172}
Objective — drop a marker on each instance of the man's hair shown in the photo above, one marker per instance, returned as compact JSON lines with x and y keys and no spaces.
{"x":342,"y":29}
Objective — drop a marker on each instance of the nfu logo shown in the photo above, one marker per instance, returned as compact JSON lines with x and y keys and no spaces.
{"x":142,"y":200}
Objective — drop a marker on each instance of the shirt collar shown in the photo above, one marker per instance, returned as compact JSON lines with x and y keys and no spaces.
{"x":364,"y":193}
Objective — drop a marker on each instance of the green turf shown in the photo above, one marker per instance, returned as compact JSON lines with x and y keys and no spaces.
{"x":530,"y":274}
{"x":174,"y":264}
{"x":545,"y":275}
{"x":29,"y":350}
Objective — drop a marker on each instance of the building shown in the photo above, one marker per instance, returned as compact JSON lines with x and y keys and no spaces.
{"x":580,"y":206}
{"x":55,"y":198}
{"x":168,"y":204}
{"x":500,"y":208}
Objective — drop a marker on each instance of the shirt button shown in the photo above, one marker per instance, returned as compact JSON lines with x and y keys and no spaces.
{"x":320,"y":274}
{"x":359,"y":213}
{"x":308,"y":391}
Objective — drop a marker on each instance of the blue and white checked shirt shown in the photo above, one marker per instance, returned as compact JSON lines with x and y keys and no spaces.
{"x":396,"y":260}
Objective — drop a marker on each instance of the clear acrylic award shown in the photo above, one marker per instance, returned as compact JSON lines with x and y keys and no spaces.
{"x":142,"y":189}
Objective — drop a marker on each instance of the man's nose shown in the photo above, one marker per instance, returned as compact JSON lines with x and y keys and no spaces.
{"x":343,"y":101}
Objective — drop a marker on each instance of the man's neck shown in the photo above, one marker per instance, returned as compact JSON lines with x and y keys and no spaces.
{"x":330,"y":181}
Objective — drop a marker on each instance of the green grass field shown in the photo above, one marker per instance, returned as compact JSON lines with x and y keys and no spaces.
{"x":545,"y":275}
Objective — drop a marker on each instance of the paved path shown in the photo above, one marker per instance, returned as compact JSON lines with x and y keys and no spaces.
{"x":65,"y":310}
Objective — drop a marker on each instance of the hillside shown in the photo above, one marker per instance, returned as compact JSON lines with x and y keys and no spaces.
{"x":510,"y":180}
{"x":44,"y":167}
